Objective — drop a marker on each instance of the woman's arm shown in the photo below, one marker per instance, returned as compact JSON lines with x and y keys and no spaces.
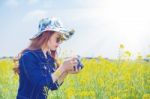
{"x":64,"y":75}
{"x":57,"y":74}
{"x":61,"y":73}
{"x":62,"y":78}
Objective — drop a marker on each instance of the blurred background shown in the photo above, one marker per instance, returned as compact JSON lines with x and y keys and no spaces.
{"x":100,"y":25}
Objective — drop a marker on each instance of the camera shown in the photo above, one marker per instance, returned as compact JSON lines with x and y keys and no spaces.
{"x":79,"y":65}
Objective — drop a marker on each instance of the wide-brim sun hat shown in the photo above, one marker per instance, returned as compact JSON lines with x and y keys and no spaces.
{"x":53,"y":24}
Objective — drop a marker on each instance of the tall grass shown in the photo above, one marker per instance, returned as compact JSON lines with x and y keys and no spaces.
{"x":100,"y":79}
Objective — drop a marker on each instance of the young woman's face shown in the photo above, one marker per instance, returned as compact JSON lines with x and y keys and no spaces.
{"x":54,"y":41}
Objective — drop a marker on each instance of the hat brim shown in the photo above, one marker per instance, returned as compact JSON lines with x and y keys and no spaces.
{"x":66,"y":33}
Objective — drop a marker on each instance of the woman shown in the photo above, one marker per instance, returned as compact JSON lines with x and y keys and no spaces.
{"x":38,"y":68}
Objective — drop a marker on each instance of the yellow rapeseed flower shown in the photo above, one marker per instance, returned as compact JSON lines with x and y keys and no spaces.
{"x":121,"y":46}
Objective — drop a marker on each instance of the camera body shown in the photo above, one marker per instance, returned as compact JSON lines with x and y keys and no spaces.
{"x":79,"y":65}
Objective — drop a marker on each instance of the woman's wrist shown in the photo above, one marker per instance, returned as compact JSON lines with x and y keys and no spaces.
{"x":62,"y":77}
{"x":60,"y":71}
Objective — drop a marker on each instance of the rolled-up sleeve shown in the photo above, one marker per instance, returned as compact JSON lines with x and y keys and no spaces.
{"x":33,"y":72}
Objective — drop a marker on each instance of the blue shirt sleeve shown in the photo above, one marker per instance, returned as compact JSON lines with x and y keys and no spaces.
{"x":34,"y":74}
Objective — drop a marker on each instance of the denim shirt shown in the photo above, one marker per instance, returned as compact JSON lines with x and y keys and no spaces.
{"x":35,"y":75}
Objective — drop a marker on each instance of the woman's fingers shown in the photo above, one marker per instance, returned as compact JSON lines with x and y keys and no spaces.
{"x":79,"y":68}
{"x":74,"y":60}
{"x":74,"y":71}
{"x":72,"y":64}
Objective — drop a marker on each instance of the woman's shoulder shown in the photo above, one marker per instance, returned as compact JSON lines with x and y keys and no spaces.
{"x":28,"y":55}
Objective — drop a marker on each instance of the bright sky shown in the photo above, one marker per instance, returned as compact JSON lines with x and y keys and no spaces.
{"x":101,"y":25}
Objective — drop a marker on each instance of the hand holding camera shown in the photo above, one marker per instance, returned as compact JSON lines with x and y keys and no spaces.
{"x":73,"y":65}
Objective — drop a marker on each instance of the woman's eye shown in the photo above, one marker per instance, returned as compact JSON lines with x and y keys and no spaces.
{"x":58,"y":39}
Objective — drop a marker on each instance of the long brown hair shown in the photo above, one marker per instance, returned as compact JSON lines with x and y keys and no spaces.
{"x":37,"y":43}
